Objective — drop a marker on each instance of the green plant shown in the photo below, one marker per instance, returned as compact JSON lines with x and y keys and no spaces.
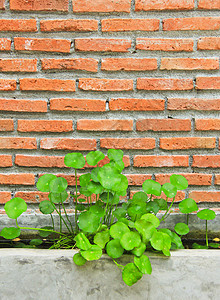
{"x":102,"y":223}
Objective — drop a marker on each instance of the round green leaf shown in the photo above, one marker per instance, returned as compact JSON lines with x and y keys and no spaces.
{"x":94,"y":253}
{"x":119,"y":165}
{"x":94,"y":174}
{"x":187,"y":206}
{"x":136,"y":207}
{"x":108,"y":176}
{"x":114,"y":249}
{"x":145,"y":228}
{"x":206,"y":214}
{"x":181,"y":228}
{"x":79,"y":260}
{"x":43,"y":183}
{"x":131,"y":274}
{"x":130,"y":240}
{"x":94,"y":157}
{"x":15,"y":207}
{"x":161,"y":203}
{"x":45,"y":233}
{"x":179,"y":181}
{"x":143,"y":264}
{"x":140,"y":196}
{"x":101,"y":238}
{"x":36,"y":242}
{"x":74,"y":160}
{"x":152,"y":187}
{"x":160,"y":240}
{"x":106,"y":198}
{"x":84,"y":179}
{"x":82,"y":242}
{"x":169,"y":190}
{"x":88,"y":221}
{"x":151,"y":219}
{"x":95,"y":187}
{"x":58,"y":197}
{"x":97,"y":209}
{"x":119,"y":213}
{"x":115,"y":154}
{"x":10,"y":233}
{"x":118,"y":229}
{"x":84,"y":191}
{"x":122,"y":185}
{"x":46,"y":207}
{"x":58,"y":185}
{"x":152,"y":206}
{"x":138,"y":251}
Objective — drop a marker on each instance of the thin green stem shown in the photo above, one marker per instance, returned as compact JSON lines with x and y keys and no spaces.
{"x":60,"y":218}
{"x":118,"y":265}
{"x":59,"y":213}
{"x":187,"y":219}
{"x":206,"y":233}
{"x":162,"y":219}
{"x":67,"y":218}
{"x":76,"y":225}
{"x":52,"y":221}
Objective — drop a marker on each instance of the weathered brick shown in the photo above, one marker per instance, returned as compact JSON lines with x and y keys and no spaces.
{"x":45,"y":126}
{"x":39,"y":5}
{"x":29,"y":25}
{"x":130,"y":24}
{"x":189,"y":64}
{"x":152,"y":44}
{"x":31,"y":196}
{"x":17,"y":179}
{"x":102,"y":85}
{"x":102,"y":45}
{"x":128,"y":143}
{"x":19,"y":105}
{"x":195,"y":23}
{"x":68,"y":144}
{"x":6,"y":125}
{"x":184,"y":143}
{"x":84,"y":64}
{"x":147,"y":5}
{"x":163,"y":84}
{"x":18,"y":65}
{"x":217,"y":179}
{"x":7,"y":84}
{"x":160,"y":161}
{"x":2,"y":4}
{"x":44,"y":84}
{"x":104,"y":161}
{"x":40,"y":161}
{"x":193,"y":104}
{"x":205,"y":196}
{"x":179,"y":196}
{"x":137,"y":104}
{"x":207,"y":124}
{"x":209,"y":43}
{"x":129,"y":64}
{"x":5,"y":161}
{"x":209,"y":4}
{"x":208,"y":83}
{"x":137,"y":179}
{"x":45,"y":45}
{"x":163,"y":125}
{"x":64,"y":104}
{"x":68,"y":25}
{"x":18,"y":143}
{"x":5,"y":44}
{"x":104,"y":125}
{"x":192,"y":178}
{"x":101,"y":6}
{"x":206,"y":161}
{"x":4,"y":196}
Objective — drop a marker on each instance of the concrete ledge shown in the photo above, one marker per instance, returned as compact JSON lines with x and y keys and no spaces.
{"x":30,"y":274}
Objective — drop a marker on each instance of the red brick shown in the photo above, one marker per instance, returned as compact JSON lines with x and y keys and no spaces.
{"x":18,"y":65}
{"x":129,"y":64}
{"x":217,"y":179}
{"x":208,"y":124}
{"x":130,"y":24}
{"x":193,"y":104}
{"x":163,"y":125}
{"x":126,"y":160}
{"x":5,"y":161}
{"x":102,"y":85}
{"x":196,"y":23}
{"x":104,"y":125}
{"x":2,"y":4}
{"x":147,"y":5}
{"x":179,"y":196}
{"x":126,"y":104}
{"x":43,"y":84}
{"x":189,"y":64}
{"x":32,"y":197}
{"x":206,"y":161}
{"x":128,"y":143}
{"x":101,"y":6}
{"x":4,"y":196}
{"x":84,"y":64}
{"x":137,"y":179}
{"x":17,"y":179}
{"x":183,"y":143}
{"x":46,"y":45}
{"x":45,"y":126}
{"x":18,"y":143}
{"x":7,"y":85}
{"x":18,"y":105}
{"x":208,"y":83}
{"x":163,"y":84}
{"x":205,"y":196}
{"x":40,"y":161}
{"x":153,"y":44}
{"x":65,"y":104}
{"x":68,"y":144}
{"x":6,"y":125}
{"x":68,"y":25}
{"x":100,"y":45}
{"x":209,"y":4}
{"x":160,"y":161}
{"x":192,"y":178}
{"x":209,"y":43}
{"x":29,"y":25}
{"x":39,"y":5}
{"x":5,"y":44}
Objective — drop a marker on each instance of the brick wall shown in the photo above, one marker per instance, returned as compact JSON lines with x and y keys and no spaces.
{"x":139,"y":75}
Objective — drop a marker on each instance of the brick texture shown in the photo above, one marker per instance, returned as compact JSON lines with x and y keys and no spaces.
{"x":152,"y":44}
{"x":5,"y":161}
{"x":163,"y":125}
{"x":189,"y":64}
{"x":44,"y":84}
{"x":84,"y":64}
{"x":146,"y":161}
{"x":65,"y":104}
{"x":101,"y":6}
{"x":39,"y":5}
{"x":129,"y":64}
{"x":68,"y":25}
{"x":163,"y":5}
{"x":105,"y":125}
{"x":193,"y":179}
{"x":44,"y":126}
{"x":18,"y":65}
{"x":163,"y":84}
{"x":209,"y":43}
{"x":130,"y":25}
{"x":193,"y":104}
{"x":6,"y":125}
{"x":125,"y":104}
{"x":19,"y":25}
{"x":197,"y":23}
{"x":210,"y":4}
{"x":184,"y":143}
{"x":68,"y":144}
{"x":5,"y":44}
{"x":102,"y":85}
{"x":18,"y":105}
{"x":128,"y":143}
{"x":102,"y":45}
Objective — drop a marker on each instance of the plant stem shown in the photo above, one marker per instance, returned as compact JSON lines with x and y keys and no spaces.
{"x":118,"y":265}
{"x":206,"y":233}
{"x":60,"y":218}
{"x":187,"y":219}
{"x":67,"y":218}
{"x":167,"y":210}
{"x":76,"y":225}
